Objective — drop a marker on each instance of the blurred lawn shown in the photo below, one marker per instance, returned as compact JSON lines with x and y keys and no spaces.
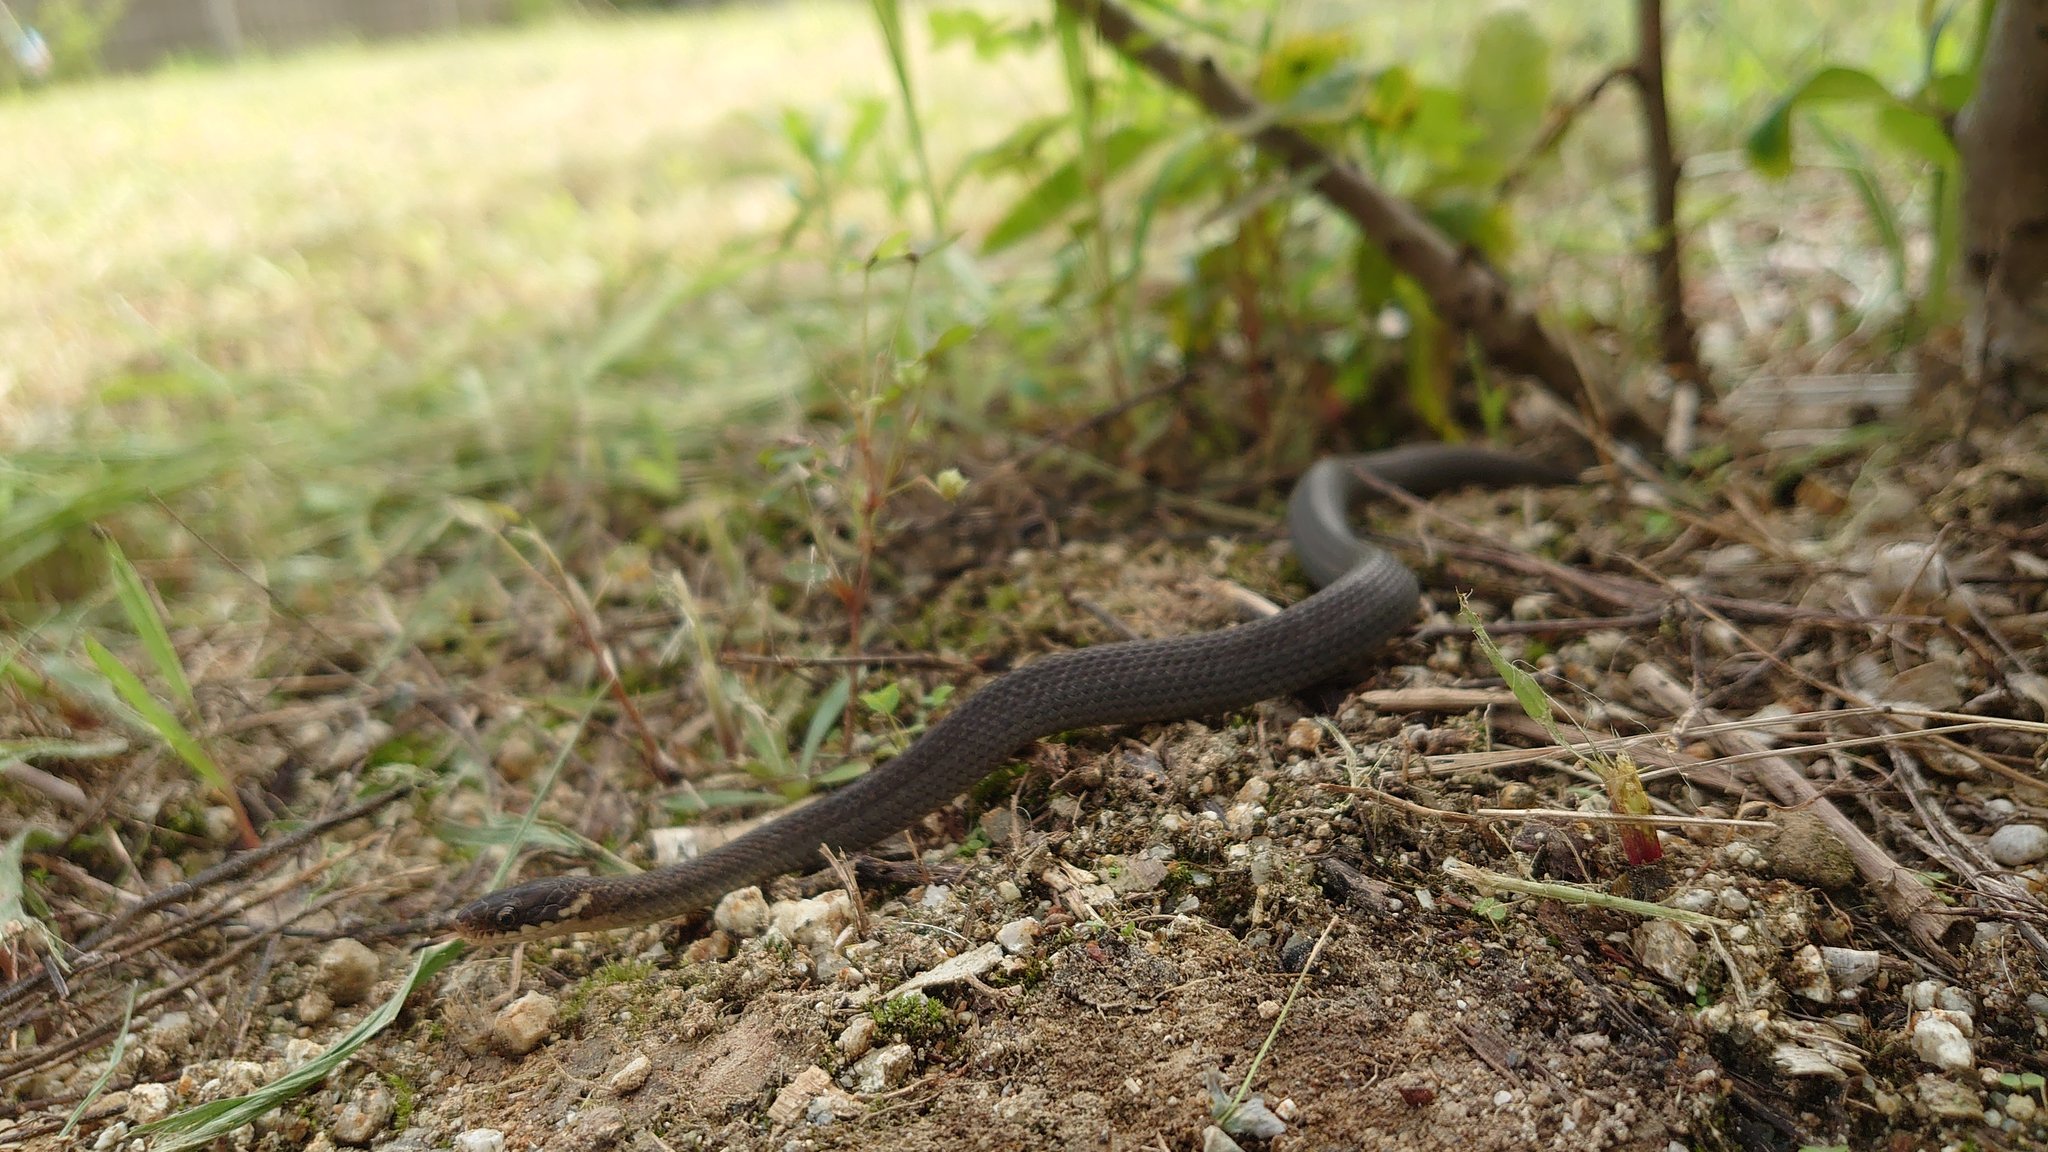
{"x":389,"y":207}
{"x":367,"y":207}
{"x":290,"y":296}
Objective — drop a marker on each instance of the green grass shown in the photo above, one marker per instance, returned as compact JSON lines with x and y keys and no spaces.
{"x":380,"y":209}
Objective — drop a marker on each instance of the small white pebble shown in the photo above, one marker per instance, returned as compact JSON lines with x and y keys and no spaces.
{"x":148,"y":1103}
{"x":2018,"y":845}
{"x":346,"y":971}
{"x":524,"y":1023}
{"x":857,"y":1037}
{"x":1503,"y":1098}
{"x":632,"y":1076}
{"x":1941,"y":1043}
{"x":1268,"y":1009}
{"x":480,"y":1140}
{"x":743,"y":913}
{"x":883,"y":1069}
{"x":1008,"y":892}
{"x":1018,"y":936}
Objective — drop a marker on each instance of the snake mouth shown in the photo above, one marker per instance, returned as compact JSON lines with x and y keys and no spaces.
{"x":532,"y":911}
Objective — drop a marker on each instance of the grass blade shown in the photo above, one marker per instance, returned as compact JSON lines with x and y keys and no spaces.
{"x":159,"y":719}
{"x":137,"y":696}
{"x":197,"y":1127}
{"x":15,"y":920}
{"x":830,"y":706}
{"x":120,"y":1049}
{"x":140,"y":608}
{"x":889,"y":14}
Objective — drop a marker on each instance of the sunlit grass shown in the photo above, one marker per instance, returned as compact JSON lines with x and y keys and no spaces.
{"x":359,"y":208}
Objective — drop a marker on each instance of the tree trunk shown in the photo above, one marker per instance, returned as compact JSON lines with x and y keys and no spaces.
{"x":2002,"y":137}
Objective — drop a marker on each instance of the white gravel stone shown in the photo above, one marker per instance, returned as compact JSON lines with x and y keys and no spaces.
{"x":346,"y":971}
{"x":794,"y":1100}
{"x":883,"y":1069}
{"x":1214,"y":1139}
{"x":814,"y":924}
{"x":1018,"y":936}
{"x":480,"y":1140}
{"x":1941,"y":1043}
{"x":1666,"y":949}
{"x":524,"y":1023}
{"x":2018,"y":845}
{"x":743,"y":913}
{"x":631,"y":1076}
{"x":1808,"y":976}
{"x":1851,"y":967}
{"x":148,"y":1103}
{"x":366,"y":1114}
{"x":857,"y":1037}
{"x":952,"y":970}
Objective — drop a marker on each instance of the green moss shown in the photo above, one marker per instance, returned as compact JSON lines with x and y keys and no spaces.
{"x":616,"y":972}
{"x":915,"y":1019}
{"x":402,"y":1096}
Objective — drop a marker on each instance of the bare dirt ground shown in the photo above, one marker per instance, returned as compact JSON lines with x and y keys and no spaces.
{"x":1131,"y":925}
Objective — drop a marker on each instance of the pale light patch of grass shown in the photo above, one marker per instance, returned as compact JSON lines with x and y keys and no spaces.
{"x":392,"y":206}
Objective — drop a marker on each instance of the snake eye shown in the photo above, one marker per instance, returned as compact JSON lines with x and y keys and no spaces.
{"x":507,"y":919}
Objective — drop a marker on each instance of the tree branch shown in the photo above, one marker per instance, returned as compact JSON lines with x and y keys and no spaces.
{"x":1676,"y":338}
{"x":1466,"y":291}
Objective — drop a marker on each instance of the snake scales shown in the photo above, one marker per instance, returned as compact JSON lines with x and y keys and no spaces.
{"x":1366,"y":597}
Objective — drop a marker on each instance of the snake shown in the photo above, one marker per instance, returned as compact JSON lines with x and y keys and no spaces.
{"x":1365,"y":597}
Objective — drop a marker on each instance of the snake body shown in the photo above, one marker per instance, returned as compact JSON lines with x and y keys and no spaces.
{"x":1367,"y":596}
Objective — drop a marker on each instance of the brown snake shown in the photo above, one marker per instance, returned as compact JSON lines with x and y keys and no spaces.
{"x":1367,"y":597}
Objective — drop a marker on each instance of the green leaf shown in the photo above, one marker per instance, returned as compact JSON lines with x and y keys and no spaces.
{"x":1506,"y":88}
{"x":989,"y":37}
{"x":1950,"y":91}
{"x":1770,"y":142}
{"x":1372,"y":275}
{"x":1017,"y":150}
{"x":1918,"y":134}
{"x":851,"y":770}
{"x":830,"y":707}
{"x":884,"y":700}
{"x":894,"y":246}
{"x":1063,"y":188}
{"x":15,"y":920}
{"x":1429,"y":369}
{"x":1391,"y":100}
{"x":140,"y":610}
{"x":131,"y":690}
{"x":946,"y":341}
{"x":1528,"y":693}
{"x":708,"y":799}
{"x":1296,"y":62}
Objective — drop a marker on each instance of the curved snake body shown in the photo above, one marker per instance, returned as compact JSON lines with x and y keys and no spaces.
{"x":1367,"y":596}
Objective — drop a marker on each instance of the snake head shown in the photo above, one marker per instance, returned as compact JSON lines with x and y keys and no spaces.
{"x":532,"y":911}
